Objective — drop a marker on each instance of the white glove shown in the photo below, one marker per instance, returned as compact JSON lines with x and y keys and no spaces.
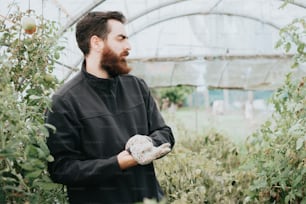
{"x":143,"y":150}
{"x":139,"y":140}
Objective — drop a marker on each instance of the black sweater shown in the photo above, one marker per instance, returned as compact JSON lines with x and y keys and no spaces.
{"x":94,"y":118}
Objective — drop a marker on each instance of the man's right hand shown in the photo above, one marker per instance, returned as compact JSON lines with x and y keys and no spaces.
{"x":144,"y":152}
{"x":126,"y":160}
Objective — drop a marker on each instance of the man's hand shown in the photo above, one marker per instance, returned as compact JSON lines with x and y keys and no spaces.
{"x":147,"y":156}
{"x":143,"y":141}
{"x":126,"y":160}
{"x":143,"y":150}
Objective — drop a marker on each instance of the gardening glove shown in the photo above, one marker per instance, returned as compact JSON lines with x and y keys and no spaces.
{"x":143,"y":150}
{"x":141,"y":140}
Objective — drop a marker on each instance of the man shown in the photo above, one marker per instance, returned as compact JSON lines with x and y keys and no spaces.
{"x":108,"y":128}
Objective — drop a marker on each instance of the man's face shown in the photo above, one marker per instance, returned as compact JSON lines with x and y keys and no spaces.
{"x":116,"y":49}
{"x":112,"y":63}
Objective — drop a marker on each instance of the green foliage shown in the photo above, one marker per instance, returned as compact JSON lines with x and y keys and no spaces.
{"x":26,"y":64}
{"x":285,"y":3}
{"x":203,"y":169}
{"x":278,"y":150}
{"x":293,"y":36}
{"x":175,"y":94}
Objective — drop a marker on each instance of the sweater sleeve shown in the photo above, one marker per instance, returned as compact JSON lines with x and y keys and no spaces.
{"x":69,"y":166}
{"x":158,"y":130}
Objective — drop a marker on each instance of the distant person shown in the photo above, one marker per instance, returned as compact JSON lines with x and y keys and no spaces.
{"x":249,"y":110}
{"x":108,"y":127}
{"x":218,"y":107}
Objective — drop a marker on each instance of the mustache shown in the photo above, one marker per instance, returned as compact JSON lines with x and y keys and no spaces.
{"x":124,"y":54}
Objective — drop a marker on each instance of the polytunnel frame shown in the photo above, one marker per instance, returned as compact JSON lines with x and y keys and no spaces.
{"x":206,"y":14}
{"x":145,"y":12}
{"x":210,"y":11}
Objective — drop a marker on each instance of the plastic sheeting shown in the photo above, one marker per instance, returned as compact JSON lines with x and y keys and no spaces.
{"x":200,"y":39}
{"x":246,"y":74}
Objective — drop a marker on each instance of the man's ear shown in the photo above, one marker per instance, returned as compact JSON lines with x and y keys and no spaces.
{"x":96,"y":44}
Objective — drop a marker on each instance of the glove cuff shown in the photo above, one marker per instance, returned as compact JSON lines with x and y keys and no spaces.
{"x":129,"y":150}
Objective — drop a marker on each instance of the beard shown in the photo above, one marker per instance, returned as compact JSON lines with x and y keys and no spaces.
{"x":113,"y":64}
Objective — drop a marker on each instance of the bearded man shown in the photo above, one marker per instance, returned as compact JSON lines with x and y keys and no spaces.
{"x":108,"y":128}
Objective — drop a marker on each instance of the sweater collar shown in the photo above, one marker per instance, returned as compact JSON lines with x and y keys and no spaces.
{"x":99,"y":83}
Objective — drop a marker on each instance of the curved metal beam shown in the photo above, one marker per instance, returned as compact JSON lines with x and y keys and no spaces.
{"x":159,"y":6}
{"x":204,"y":14}
{"x":63,"y":9}
{"x":181,"y":58}
{"x":79,"y":16}
{"x":98,"y":2}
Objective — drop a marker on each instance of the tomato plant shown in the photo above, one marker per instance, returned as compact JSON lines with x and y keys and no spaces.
{"x":26,"y":64}
{"x":278,"y":150}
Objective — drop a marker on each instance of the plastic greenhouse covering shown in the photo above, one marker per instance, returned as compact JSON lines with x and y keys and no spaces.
{"x":212,"y":43}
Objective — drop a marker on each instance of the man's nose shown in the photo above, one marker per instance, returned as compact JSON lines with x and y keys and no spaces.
{"x":127,"y":46}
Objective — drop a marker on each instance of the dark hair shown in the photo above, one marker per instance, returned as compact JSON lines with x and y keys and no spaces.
{"x":95,"y":23}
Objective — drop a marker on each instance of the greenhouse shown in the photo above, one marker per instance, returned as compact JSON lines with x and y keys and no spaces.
{"x":226,"y":76}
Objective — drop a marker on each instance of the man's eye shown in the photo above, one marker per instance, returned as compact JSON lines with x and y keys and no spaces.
{"x":122,"y":37}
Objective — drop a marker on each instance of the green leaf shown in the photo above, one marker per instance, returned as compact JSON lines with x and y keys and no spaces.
{"x":56,"y":55}
{"x":44,"y":148}
{"x":33,"y":97}
{"x":38,"y":164}
{"x":8,"y":153}
{"x":52,"y":127}
{"x":33,"y":174}
{"x":47,"y":185}
{"x":297,"y":180}
{"x":41,"y":154}
{"x":31,"y":151}
{"x":301,"y":47}
{"x":287,"y":199}
{"x":283,"y":5}
{"x":295,"y":65}
{"x":50,"y":158}
{"x":27,"y":166}
{"x":300,"y":142}
{"x":278,"y":44}
{"x":287,"y":46}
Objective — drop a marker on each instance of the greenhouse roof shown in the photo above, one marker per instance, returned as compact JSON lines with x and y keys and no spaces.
{"x":212,"y":43}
